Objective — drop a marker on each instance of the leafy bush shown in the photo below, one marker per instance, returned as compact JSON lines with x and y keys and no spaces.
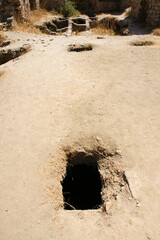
{"x":69,"y":10}
{"x":58,"y":8}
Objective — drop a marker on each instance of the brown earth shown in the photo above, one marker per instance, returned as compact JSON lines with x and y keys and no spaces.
{"x":51,"y":98}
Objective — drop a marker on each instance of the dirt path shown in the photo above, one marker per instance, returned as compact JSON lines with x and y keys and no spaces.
{"x":50,"y":96}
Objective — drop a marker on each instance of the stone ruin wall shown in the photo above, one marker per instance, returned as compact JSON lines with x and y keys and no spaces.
{"x":103,"y":6}
{"x":16,"y":9}
{"x":20,"y":9}
{"x":153,"y":17}
{"x":152,"y":12}
{"x":34,"y":4}
{"x":135,"y":8}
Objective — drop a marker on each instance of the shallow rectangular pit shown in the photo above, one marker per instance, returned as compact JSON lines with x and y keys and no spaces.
{"x":60,"y":23}
{"x":79,"y":20}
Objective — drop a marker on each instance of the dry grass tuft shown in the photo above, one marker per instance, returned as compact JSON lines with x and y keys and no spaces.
{"x":156,"y":32}
{"x":26,"y":27}
{"x":106,"y":26}
{"x":2,"y":37}
{"x":100,"y":30}
{"x":37,"y":15}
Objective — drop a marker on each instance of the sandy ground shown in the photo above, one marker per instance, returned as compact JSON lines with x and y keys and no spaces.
{"x":49,"y":96}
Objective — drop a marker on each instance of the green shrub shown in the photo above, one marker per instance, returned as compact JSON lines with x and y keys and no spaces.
{"x":69,"y":10}
{"x":58,"y":8}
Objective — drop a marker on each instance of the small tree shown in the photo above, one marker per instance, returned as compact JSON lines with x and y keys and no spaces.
{"x":69,"y":9}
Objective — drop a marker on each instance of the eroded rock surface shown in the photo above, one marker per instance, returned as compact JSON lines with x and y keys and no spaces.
{"x":9,"y":54}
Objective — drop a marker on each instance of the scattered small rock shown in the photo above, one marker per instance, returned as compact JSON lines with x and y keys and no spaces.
{"x":101,"y":37}
{"x":125,"y":32}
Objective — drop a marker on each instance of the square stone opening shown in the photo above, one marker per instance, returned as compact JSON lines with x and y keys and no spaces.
{"x":82,"y":185}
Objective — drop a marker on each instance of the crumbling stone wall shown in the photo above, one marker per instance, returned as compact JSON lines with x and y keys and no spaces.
{"x":98,"y":6}
{"x":153,"y":16}
{"x":103,"y":5}
{"x":16,"y":9}
{"x":34,"y":4}
{"x":147,"y":11}
{"x":21,"y":8}
{"x":135,"y":8}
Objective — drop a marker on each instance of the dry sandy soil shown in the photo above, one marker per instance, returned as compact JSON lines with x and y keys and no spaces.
{"x":51,"y":97}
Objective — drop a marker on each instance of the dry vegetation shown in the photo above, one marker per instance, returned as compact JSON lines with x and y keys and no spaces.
{"x":2,"y":37}
{"x":28,"y":26}
{"x":38,"y":14}
{"x":100,"y":30}
{"x":107,"y":26}
{"x":156,"y":32}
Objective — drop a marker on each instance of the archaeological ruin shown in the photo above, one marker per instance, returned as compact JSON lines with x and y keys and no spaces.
{"x":16,"y":9}
{"x":146,"y":11}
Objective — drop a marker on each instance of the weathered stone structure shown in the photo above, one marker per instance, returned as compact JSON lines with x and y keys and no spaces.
{"x":153,"y":16}
{"x":16,"y":9}
{"x":34,"y":4}
{"x":98,"y":6}
{"x":111,"y":5}
{"x":103,"y":6}
{"x":147,"y":11}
